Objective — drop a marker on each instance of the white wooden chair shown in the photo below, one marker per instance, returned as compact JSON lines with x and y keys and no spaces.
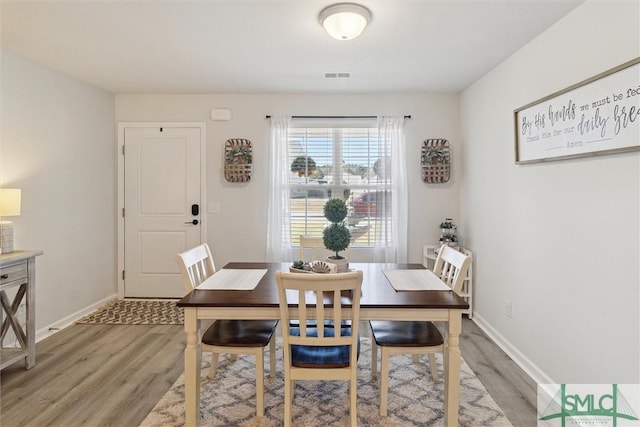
{"x":418,"y":337}
{"x":314,"y":352}
{"x":312,"y":249}
{"x":230,"y":336}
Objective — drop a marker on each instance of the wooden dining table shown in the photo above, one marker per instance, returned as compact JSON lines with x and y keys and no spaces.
{"x":379,"y":301}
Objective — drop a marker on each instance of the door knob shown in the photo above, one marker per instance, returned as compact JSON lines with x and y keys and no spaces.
{"x":194,"y":222}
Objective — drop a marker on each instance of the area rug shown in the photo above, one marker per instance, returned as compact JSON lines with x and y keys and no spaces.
{"x":414,"y":399}
{"x":137,"y":312}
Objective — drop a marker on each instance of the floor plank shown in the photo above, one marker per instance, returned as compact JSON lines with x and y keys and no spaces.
{"x":113,"y":375}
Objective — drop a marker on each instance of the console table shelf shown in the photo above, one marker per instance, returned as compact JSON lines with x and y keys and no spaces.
{"x":429,"y":259}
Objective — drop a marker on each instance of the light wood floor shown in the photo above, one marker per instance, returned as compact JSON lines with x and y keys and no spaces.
{"x":513,"y":390}
{"x":106,"y":375}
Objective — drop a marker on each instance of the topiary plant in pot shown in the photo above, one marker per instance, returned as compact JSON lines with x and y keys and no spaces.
{"x":336,"y":237}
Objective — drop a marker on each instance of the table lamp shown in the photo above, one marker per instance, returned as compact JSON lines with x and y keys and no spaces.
{"x":9,"y":206}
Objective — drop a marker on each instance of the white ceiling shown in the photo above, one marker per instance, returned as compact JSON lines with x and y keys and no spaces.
{"x":265,"y":46}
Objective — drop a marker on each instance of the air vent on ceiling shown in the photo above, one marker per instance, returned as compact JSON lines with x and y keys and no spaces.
{"x":342,"y":75}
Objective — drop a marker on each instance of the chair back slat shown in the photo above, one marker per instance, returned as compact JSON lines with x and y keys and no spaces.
{"x":451,"y":267}
{"x":196,"y":265}
{"x":319,"y":297}
{"x":303,"y":314}
{"x":337,"y":301}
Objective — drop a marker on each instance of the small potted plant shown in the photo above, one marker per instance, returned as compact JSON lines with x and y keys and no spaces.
{"x":448,"y":233}
{"x":449,"y":240}
{"x":300,"y":267}
{"x":336,"y":237}
{"x":447,"y":226}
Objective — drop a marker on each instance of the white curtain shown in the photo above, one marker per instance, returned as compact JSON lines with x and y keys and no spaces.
{"x":391,"y":134}
{"x":278,"y":237}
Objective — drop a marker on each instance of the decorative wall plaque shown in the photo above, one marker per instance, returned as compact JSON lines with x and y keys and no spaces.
{"x":238,"y":158}
{"x":435,"y":161}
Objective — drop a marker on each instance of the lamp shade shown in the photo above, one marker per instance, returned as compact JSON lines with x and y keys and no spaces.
{"x":10,"y":201}
{"x":345,"y":21}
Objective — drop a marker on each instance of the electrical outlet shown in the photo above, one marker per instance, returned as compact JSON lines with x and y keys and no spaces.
{"x":508,"y":309}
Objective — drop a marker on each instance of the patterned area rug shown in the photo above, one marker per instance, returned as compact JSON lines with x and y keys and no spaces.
{"x":414,"y":400}
{"x":137,"y":312}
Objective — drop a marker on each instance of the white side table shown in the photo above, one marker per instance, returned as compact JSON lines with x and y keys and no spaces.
{"x":18,"y":270}
{"x":429,"y":260}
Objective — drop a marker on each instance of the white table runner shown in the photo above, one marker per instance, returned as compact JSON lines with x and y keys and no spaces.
{"x":234,"y":279}
{"x":415,"y":280}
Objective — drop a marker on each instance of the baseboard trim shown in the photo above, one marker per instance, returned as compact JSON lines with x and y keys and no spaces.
{"x":59,"y":325}
{"x":530,"y":368}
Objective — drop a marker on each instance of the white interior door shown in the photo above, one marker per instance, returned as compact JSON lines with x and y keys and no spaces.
{"x":162,"y":179}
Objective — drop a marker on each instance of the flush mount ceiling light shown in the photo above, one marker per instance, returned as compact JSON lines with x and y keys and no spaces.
{"x":345,"y":21}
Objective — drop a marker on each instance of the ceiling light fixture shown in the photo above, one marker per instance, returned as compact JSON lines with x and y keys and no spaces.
{"x":344,"y":21}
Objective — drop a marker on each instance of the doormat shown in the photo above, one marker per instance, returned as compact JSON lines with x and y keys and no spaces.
{"x":136,"y":312}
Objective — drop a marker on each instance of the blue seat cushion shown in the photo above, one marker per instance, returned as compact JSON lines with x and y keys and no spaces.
{"x":305,"y":356}
{"x":327,"y":323}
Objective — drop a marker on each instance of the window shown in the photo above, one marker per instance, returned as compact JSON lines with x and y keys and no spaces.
{"x":309,"y":163}
{"x":348,"y":163}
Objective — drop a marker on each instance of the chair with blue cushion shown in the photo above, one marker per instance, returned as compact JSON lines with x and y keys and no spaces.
{"x":415,"y":337}
{"x":312,"y":351}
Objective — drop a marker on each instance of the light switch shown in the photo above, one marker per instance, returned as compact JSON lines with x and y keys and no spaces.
{"x":214,"y":207}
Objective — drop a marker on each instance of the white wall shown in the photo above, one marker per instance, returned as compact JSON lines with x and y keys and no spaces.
{"x":560,"y":240}
{"x":239,"y":231}
{"x":58,"y":146}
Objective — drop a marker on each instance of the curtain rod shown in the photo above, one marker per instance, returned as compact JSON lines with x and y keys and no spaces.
{"x":335,"y":117}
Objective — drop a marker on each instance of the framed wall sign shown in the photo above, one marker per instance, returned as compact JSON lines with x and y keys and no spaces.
{"x":600,"y":115}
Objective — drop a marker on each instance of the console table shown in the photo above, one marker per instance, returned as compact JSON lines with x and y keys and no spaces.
{"x":18,"y":270}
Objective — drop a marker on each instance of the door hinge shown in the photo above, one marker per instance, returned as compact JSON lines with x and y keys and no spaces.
{"x":122,"y":212}
{"x":123,"y":150}
{"x":122,"y":274}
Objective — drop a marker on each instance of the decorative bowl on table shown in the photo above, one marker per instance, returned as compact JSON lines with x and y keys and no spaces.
{"x":313,"y":267}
